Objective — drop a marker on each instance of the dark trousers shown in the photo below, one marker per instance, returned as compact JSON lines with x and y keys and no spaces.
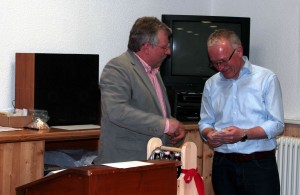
{"x":254,"y":177}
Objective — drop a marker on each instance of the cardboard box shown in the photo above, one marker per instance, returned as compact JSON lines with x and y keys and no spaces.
{"x":15,"y":121}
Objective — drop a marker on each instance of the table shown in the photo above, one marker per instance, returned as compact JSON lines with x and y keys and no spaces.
{"x":22,"y":153}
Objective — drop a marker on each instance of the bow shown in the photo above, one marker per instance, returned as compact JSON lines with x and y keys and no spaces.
{"x":189,"y":175}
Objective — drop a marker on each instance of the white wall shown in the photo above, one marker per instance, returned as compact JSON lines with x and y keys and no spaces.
{"x":73,"y":26}
{"x":274,"y":41}
{"x":102,"y":27}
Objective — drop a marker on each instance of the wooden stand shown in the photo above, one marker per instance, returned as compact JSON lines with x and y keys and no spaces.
{"x":188,"y":161}
{"x":156,"y":179}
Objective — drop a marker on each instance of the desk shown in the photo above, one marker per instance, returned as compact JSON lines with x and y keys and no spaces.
{"x":22,"y":153}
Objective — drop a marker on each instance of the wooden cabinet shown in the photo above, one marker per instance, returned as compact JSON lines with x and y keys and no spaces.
{"x":20,"y":163}
{"x":22,"y":154}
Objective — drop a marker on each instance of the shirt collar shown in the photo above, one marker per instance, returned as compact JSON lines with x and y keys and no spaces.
{"x":246,"y":69}
{"x":148,"y":68}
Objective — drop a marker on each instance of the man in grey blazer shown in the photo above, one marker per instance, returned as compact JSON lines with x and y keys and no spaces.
{"x":134,"y":102}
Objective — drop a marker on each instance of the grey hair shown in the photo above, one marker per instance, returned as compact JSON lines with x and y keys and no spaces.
{"x":145,"y":30}
{"x":222,"y":34}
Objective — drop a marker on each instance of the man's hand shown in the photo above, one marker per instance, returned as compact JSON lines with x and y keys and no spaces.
{"x":229,"y":135}
{"x":176,"y":131}
{"x":212,"y":140}
{"x":178,"y":135}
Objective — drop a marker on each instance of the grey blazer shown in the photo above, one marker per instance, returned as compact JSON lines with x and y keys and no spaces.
{"x":131,"y":112}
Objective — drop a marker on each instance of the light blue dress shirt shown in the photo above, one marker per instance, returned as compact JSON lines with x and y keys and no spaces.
{"x":254,"y":99}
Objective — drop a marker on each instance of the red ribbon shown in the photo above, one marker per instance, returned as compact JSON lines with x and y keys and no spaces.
{"x":189,"y":175}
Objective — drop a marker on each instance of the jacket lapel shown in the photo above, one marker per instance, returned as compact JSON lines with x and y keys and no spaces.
{"x":140,"y":70}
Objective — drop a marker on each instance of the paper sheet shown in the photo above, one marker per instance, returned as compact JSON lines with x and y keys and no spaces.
{"x":76,"y":127}
{"x":129,"y":164}
{"x":3,"y":129}
{"x":53,"y":172}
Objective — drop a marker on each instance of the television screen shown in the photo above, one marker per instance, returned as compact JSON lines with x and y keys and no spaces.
{"x":186,"y":70}
{"x":190,"y":55}
{"x":188,"y":63}
{"x":67,"y":87}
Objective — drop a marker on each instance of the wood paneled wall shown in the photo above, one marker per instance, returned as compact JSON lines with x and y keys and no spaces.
{"x":292,"y":130}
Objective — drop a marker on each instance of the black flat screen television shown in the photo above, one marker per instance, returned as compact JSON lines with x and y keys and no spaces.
{"x":66,"y":85}
{"x":188,"y":63}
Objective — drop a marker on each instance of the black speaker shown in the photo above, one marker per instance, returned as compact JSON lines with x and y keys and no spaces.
{"x":187,"y":105}
{"x":66,"y":85}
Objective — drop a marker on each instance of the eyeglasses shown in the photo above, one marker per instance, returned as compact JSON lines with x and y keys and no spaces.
{"x":221,"y":62}
{"x":165,"y":48}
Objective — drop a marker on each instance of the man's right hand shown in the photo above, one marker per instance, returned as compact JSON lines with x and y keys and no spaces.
{"x":211,"y":140}
{"x":174,"y":125}
{"x":176,"y":131}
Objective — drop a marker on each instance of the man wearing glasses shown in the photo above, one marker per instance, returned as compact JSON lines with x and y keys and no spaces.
{"x":241,"y":115}
{"x":134,"y":101}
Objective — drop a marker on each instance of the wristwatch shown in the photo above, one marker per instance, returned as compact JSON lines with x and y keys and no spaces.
{"x":244,"y":137}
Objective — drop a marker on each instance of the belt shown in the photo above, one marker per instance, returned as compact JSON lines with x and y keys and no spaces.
{"x":245,"y":157}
